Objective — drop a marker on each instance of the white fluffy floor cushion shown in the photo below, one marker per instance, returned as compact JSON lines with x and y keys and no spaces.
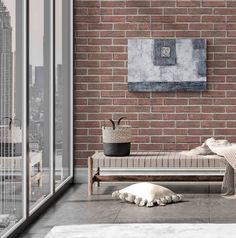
{"x":147,"y":194}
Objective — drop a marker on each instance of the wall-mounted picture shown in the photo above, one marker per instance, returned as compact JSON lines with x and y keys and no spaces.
{"x":167,"y":65}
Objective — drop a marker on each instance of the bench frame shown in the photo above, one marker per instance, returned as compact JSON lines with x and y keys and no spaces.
{"x":97,"y":177}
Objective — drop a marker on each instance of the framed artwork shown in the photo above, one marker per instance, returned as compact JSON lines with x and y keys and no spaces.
{"x":167,"y":65}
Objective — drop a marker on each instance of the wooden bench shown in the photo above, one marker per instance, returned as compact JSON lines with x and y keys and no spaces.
{"x":211,"y":167}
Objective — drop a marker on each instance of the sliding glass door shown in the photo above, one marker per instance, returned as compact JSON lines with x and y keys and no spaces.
{"x":35,"y":107}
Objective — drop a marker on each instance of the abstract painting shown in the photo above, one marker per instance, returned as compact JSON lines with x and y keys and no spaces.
{"x":167,"y":65}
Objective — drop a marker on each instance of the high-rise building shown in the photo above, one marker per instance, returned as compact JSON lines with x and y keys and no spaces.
{"x":6,"y":63}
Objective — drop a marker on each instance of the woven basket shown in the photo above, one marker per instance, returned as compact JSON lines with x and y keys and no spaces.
{"x":116,"y":140}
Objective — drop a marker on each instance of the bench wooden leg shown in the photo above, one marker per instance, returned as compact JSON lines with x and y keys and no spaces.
{"x":98,"y":173}
{"x":90,"y":176}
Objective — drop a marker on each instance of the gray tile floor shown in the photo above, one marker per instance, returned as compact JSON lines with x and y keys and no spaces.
{"x":202,"y":204}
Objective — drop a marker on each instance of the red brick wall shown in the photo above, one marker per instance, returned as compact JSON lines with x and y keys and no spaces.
{"x":161,"y":121}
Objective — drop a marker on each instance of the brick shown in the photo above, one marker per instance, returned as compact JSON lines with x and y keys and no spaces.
{"x":86,"y":3}
{"x":217,"y":3}
{"x":113,"y":49}
{"x":225,"y":41}
{"x":87,"y":34}
{"x":86,"y":63}
{"x":187,"y":34}
{"x":200,"y":11}
{"x":100,"y":56}
{"x":231,"y":33}
{"x":231,"y":18}
{"x":112,"y":94}
{"x":88,"y":109}
{"x":216,"y":64}
{"x":152,"y":101}
{"x":100,"y":26}
{"x":88,"y":49}
{"x":113,"y":19}
{"x":224,"y":11}
{"x":150,"y":131}
{"x":201,"y":26}
{"x":132,"y":3}
{"x":112,"y":34}
{"x":231,"y":3}
{"x":225,"y":132}
{"x":200,"y":132}
{"x":98,"y":116}
{"x":100,"y":71}
{"x":150,"y":11}
{"x":175,"y":26}
{"x":112,"y":78}
{"x":88,"y":79}
{"x":163,"y":34}
{"x":185,"y":109}
{"x":187,"y":139}
{"x":163,"y":19}
{"x":163,"y":124}
{"x":213,"y":109}
{"x":175,"y":116}
{"x":192,"y":3}
{"x":231,"y":64}
{"x":125,"y":11}
{"x":120,"y":41}
{"x":188,"y":19}
{"x":113,"y":3}
{"x":99,"y":11}
{"x":224,"y":116}
{"x":112,"y":64}
{"x":138,"y":19}
{"x":162,"y":139}
{"x":214,"y":19}
{"x":200,"y":116}
{"x":126,"y":26}
{"x":213,"y":33}
{"x":120,"y":71}
{"x":137,"y":109}
{"x":187,"y":124}
{"x":150,"y":147}
{"x":114,"y":108}
{"x":217,"y":48}
{"x":88,"y":19}
{"x":148,"y":116}
{"x":175,"y":132}
{"x":125,"y":101}
{"x":163,"y":109}
{"x":148,"y":26}
{"x":101,"y":86}
{"x":161,"y":3}
{"x":175,"y":101}
{"x":138,"y":34}
{"x":175,"y":11}
{"x":225,"y":71}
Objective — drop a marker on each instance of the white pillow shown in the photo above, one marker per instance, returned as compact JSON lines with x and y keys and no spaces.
{"x":147,"y":194}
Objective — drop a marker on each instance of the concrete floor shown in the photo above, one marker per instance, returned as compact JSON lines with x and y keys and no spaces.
{"x":202,"y":204}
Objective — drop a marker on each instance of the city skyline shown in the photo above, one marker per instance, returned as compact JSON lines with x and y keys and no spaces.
{"x":36,"y":29}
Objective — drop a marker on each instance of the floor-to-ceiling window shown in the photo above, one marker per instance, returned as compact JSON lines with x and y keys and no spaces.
{"x":39,"y":97}
{"x":11,"y":158}
{"x":35,"y":106}
{"x":63,"y":72}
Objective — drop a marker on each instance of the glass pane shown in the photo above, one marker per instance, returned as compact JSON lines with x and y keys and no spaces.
{"x":62,"y":97}
{"x":11,"y":160}
{"x":39,"y":95}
